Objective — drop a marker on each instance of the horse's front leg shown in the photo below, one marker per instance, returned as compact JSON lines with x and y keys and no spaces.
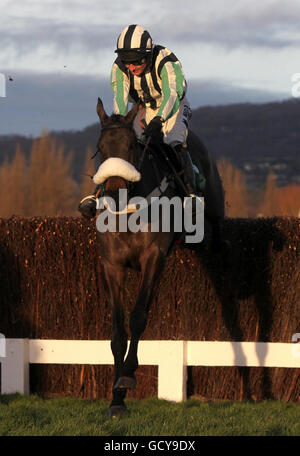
{"x":113,"y":277}
{"x":152,"y":262}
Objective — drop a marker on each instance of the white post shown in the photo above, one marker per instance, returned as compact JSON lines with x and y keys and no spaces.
{"x":172,"y":372}
{"x":15,"y":367}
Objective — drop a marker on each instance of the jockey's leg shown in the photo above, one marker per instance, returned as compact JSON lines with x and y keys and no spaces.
{"x":175,"y":132}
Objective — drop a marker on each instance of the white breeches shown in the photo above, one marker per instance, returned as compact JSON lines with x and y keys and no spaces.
{"x":175,"y":129}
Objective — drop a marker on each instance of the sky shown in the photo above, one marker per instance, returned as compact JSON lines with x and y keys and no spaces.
{"x":56,"y":55}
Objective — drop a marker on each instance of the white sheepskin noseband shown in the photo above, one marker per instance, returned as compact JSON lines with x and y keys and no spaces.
{"x":116,"y":167}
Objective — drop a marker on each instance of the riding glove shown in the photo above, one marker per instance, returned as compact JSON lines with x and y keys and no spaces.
{"x":154,"y":130}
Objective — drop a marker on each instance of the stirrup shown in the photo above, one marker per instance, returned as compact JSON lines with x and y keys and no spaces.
{"x":194,"y":195}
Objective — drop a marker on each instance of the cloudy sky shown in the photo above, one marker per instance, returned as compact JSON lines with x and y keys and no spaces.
{"x":56,"y":55}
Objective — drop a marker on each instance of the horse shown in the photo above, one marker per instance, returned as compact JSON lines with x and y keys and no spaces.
{"x":145,"y":251}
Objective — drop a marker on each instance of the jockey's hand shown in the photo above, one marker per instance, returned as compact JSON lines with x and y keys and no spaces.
{"x":154,"y":130}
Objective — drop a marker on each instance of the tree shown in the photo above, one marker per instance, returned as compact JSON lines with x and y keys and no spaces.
{"x":52,"y":190}
{"x":269,"y":206}
{"x":87,"y":185}
{"x":13,"y":181}
{"x":234,"y":183}
{"x":289,"y":200}
{"x":5,"y":183}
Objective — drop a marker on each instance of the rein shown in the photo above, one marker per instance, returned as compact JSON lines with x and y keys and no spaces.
{"x":143,"y":154}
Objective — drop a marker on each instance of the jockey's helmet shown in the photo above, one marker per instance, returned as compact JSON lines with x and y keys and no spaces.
{"x":134,"y":44}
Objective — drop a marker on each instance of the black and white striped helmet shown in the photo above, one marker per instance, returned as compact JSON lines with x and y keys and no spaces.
{"x":134,"y":40}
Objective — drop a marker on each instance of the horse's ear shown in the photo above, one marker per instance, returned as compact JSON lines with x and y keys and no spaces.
{"x":101,"y":112}
{"x":129,"y":118}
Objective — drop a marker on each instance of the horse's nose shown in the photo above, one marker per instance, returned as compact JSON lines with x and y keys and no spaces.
{"x":114,"y":183}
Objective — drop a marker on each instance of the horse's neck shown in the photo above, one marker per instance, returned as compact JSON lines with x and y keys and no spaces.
{"x":152,"y":170}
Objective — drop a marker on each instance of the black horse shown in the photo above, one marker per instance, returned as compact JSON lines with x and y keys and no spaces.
{"x":145,"y":251}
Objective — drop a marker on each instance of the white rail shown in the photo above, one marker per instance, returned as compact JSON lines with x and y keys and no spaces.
{"x":171,"y":356}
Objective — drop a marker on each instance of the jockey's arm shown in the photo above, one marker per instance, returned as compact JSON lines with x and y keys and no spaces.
{"x":173,"y":88}
{"x":120,"y":85}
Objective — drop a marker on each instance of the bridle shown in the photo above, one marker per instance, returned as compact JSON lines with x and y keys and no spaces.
{"x":110,"y":127}
{"x":129,"y":127}
{"x":158,"y":191}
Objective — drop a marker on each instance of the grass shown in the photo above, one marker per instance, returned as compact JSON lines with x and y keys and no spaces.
{"x":35,"y":416}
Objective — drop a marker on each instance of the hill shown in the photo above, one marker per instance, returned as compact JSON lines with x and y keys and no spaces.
{"x":258,"y":138}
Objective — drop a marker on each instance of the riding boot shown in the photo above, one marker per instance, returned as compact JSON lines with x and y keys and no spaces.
{"x":88,"y":206}
{"x":187,"y":175}
{"x":187,"y":171}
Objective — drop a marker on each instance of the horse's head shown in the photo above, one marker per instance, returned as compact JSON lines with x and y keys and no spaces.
{"x":117,"y":138}
{"x":117,"y":141}
{"x":118,"y":150}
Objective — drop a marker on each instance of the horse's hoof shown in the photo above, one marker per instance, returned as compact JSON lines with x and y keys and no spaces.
{"x":115,"y":410}
{"x":125,"y":383}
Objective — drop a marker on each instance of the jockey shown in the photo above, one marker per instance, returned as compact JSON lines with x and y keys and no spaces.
{"x":152,"y":76}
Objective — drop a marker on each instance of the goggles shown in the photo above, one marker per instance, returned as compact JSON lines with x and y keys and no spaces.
{"x":138,"y":62}
{"x":132,"y":58}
